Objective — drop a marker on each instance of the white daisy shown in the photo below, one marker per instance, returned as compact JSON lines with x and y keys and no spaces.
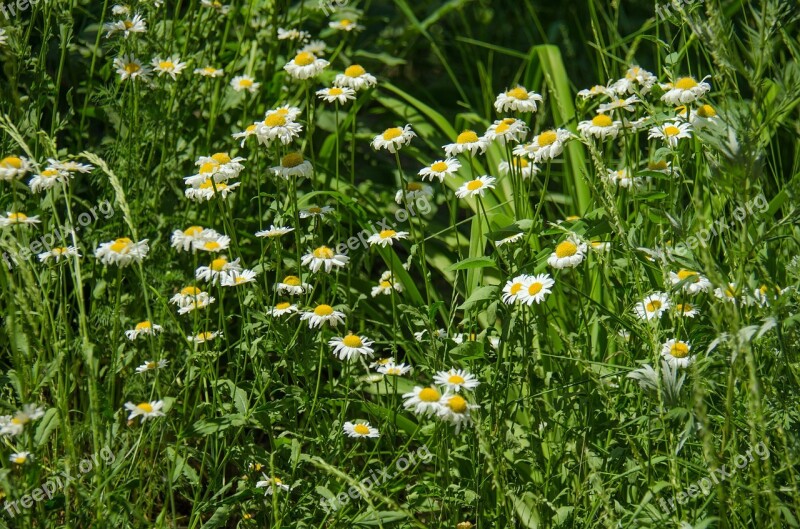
{"x":293,"y":286}
{"x":456,"y":379}
{"x":394,"y":370}
{"x":274,"y":231}
{"x":20,"y":458}
{"x":676,"y":352}
{"x":58,"y":253}
{"x":345,"y":24}
{"x":360,"y":429}
{"x":456,"y":410}
{"x":305,"y":66}
{"x":315,"y":211}
{"x":151,"y":365}
{"x":520,"y":165}
{"x":510,"y":239}
{"x":209,"y":71}
{"x":171,"y":66}
{"x":636,"y":80}
{"x":191,"y":298}
{"x":440,"y":169}
{"x":70,"y":166}
{"x":233,"y":278}
{"x":568,"y":254}
{"x":13,"y":167}
{"x":508,"y":129}
{"x":627,"y":104}
{"x":143,"y":328}
{"x":476,"y":187}
{"x":596,"y":90}
{"x":517,"y":99}
{"x":272,"y":484}
{"x":145,"y":410}
{"x":467,"y":141}
{"x":277,"y":126}
{"x":293,"y":165}
{"x":386,"y":237}
{"x":545,"y":146}
{"x":535,"y":289}
{"x":685,"y":90}
{"x":652,"y":307}
{"x":204,"y":337}
{"x":122,"y":252}
{"x":622,"y":178}
{"x":693,"y":283}
{"x":293,"y":34}
{"x":321,"y":315}
{"x":671,"y":132}
{"x":324,"y":256}
{"x":244,"y":82}
{"x":48,"y":179}
{"x":337,"y":94}
{"x":728,"y":293}
{"x":129,"y":67}
{"x":386,"y":285}
{"x":210,"y":189}
{"x":355,"y":77}
{"x":282,"y":308}
{"x":351,"y":346}
{"x":191,"y":237}
{"x":424,"y":401}
{"x":216,"y":269}
{"x":412,"y":192}
{"x":15,"y":424}
{"x":129,"y":26}
{"x":16,"y":218}
{"x":393,"y":139}
{"x":686,"y":310}
{"x":315,"y":47}
{"x":601,"y":126}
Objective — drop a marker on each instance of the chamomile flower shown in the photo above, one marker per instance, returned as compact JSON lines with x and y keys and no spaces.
{"x":686,"y":310}
{"x":48,"y":179}
{"x":216,"y":269}
{"x":15,"y":424}
{"x":345,"y":24}
{"x":152,"y":365}
{"x":250,"y":130}
{"x":191,"y":298}
{"x":351,"y":346}
{"x":284,"y":307}
{"x":209,"y":71}
{"x":568,"y":254}
{"x":128,"y":27}
{"x":393,"y":139}
{"x":685,"y":90}
{"x":13,"y":167}
{"x":520,"y":165}
{"x":355,"y":77}
{"x":424,"y":401}
{"x":293,"y":34}
{"x":652,"y":307}
{"x":58,"y":253}
{"x":659,"y":166}
{"x":386,"y":284}
{"x":233,"y":278}
{"x":293,"y":165}
{"x":321,"y":315}
{"x":596,"y":90}
{"x":467,"y":142}
{"x":324,"y":257}
{"x":440,"y":169}
{"x":315,"y":211}
{"x":129,"y":67}
{"x":511,"y":239}
{"x":272,"y":484}
{"x":412,"y":192}
{"x":360,"y":429}
{"x":305,"y":66}
{"x":456,"y":380}
{"x":70,"y":166}
{"x":728,"y":293}
{"x":219,"y":165}
{"x":143,"y":328}
{"x":293,"y":286}
{"x":505,"y":130}
{"x":277,"y":126}
{"x":122,"y":252}
{"x":601,"y":127}
{"x":476,"y":187}
{"x":622,"y":178}
{"x":337,"y":94}
{"x":544,"y":146}
{"x":20,"y":458}
{"x":693,"y":283}
{"x":535,"y":289}
{"x":171,"y":66}
{"x":118,"y":10}
{"x":204,"y":337}
{"x":386,"y":237}
{"x":274,"y":231}
{"x":394,"y":370}
{"x":456,"y":410}
{"x":212,"y":242}
{"x":514,"y":288}
{"x":676,"y":352}
{"x":18,"y":219}
{"x":636,"y":79}
{"x":245,"y":83}
{"x":517,"y":99}
{"x":209,"y":189}
{"x":671,"y":132}
{"x":627,"y":104}
{"x":702,"y":117}
{"x":185,"y":239}
{"x":145,"y":410}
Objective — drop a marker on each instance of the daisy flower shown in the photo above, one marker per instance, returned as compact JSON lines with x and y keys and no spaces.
{"x":535,"y":289}
{"x":652,"y":307}
{"x":282,"y":308}
{"x":467,"y":141}
{"x":659,"y":166}
{"x":703,"y":116}
{"x":324,"y":256}
{"x":517,"y":99}
{"x":385,"y":237}
{"x":685,"y":90}
{"x":693,"y":283}
{"x":601,"y":126}
{"x":596,"y":90}
{"x":351,"y":346}
{"x":456,"y":379}
{"x":424,"y":401}
{"x":19,"y":458}
{"x":293,"y":165}
{"x":15,"y":424}
{"x":190,"y":298}
{"x":216,"y":269}
{"x":321,"y":315}
{"x":213,"y":242}
{"x":48,"y":179}
{"x":305,"y":66}
{"x":292,"y":34}
{"x":315,"y":211}
{"x":568,"y":254}
{"x":220,"y":166}
{"x":345,"y":24}
{"x":355,"y":77}
{"x":171,"y":66}
{"x":151,"y":365}
{"x":278,"y":126}
{"x":209,"y":71}
{"x":440,"y":169}
{"x":510,"y":239}
{"x":122,"y":252}
{"x":137,"y":24}
{"x":234,"y":278}
{"x":360,"y":429}
{"x":141,"y":329}
{"x":272,"y":484}
{"x":337,"y":94}
{"x":118,"y":10}
{"x":617,"y":103}
{"x":244,"y":82}
{"x":686,"y":310}
{"x":13,"y":167}
{"x":216,"y":5}
{"x":728,"y":293}
{"x":145,"y":410}
{"x":622,"y":178}
{"x":636,"y":79}
{"x":16,"y":218}
{"x":70,"y":166}
{"x":394,"y":370}
{"x":456,"y":410}
{"x":204,"y":337}
{"x":198,"y":238}
{"x":293,"y":286}
{"x":393,"y":139}
{"x":520,"y":165}
{"x":508,"y":129}
{"x":545,"y":146}
{"x":246,"y":133}
{"x":599,"y":246}
{"x":476,"y":187}
{"x":412,"y":192}
{"x":129,"y":67}
{"x":274,"y":231}
{"x":386,"y":284}
{"x":210,"y":189}
{"x":676,"y":353}
{"x":514,"y":289}
{"x":671,"y":132}
{"x":58,"y":253}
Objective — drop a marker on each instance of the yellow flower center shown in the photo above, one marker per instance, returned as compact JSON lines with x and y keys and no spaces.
{"x":245,"y":83}
{"x":429,"y":395}
{"x":351,"y":340}
{"x":166,"y":65}
{"x":218,"y":265}
{"x":20,"y":459}
{"x":631,"y":75}
{"x":145,"y":407}
{"x":208,"y":167}
{"x":120,"y":245}
{"x":457,"y":403}
{"x":303,"y":59}
{"x":683,"y":308}
{"x":212,"y":246}
{"x":361,"y":429}
{"x":17,"y":217}
{"x":467,"y":136}
{"x":385,"y":284}
{"x":686,"y":83}
{"x":547,"y":137}
{"x":602,"y":120}
{"x":390,"y":134}
{"x":143,"y":325}
{"x":193,"y":231}
{"x":20,"y":419}
{"x":336,"y":91}
{"x":455,"y":379}
{"x":292,"y":281}
{"x":49,"y":173}
{"x":209,"y":70}
{"x":11,"y":162}
{"x":474,"y":185}
{"x":518,"y":93}
{"x":61,"y":250}
{"x":345,"y":22}
{"x":439,"y":167}
{"x":128,"y":24}
{"x":190,"y":291}
{"x":355,"y":70}
{"x":323,"y":252}
{"x":502,"y":127}
{"x":671,"y":130}
{"x":653,"y":306}
{"x":414,"y":186}
{"x":566,"y":249}
{"x":686,"y":274}
{"x":515,"y":287}
{"x":387,"y":234}
{"x":283,"y":306}
{"x":132,"y":68}
{"x":679,"y":350}
{"x":660,"y":165}
{"x":210,"y":184}
{"x":221,"y":157}
{"x":240,"y":279}
{"x":293,"y":159}
{"x":706,"y":111}
{"x":323,"y":310}
{"x":535,"y":288}
{"x":205,"y":336}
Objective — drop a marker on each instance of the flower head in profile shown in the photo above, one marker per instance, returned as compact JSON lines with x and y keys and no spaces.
{"x":685,"y":90}
{"x":412,"y":192}
{"x":14,"y":167}
{"x":271,"y":485}
{"x":386,"y":237}
{"x":13,"y":425}
{"x":517,"y":99}
{"x":507,"y":130}
{"x":315,"y":211}
{"x":145,"y":410}
{"x":16,"y":218}
{"x":671,"y":132}
{"x":355,"y":77}
{"x":601,"y":127}
{"x":127,"y":27}
{"x":305,"y":66}
{"x":345,"y":24}
{"x":293,"y":165}
{"x":628,"y":104}
{"x":292,"y":285}
{"x":467,"y":142}
{"x":386,"y":285}
{"x":143,"y":328}
{"x":476,"y":187}
{"x":567,"y":254}
{"x":152,"y":365}
{"x":242,"y":83}
{"x":234,"y":278}
{"x":171,"y":66}
{"x":216,"y":269}
{"x":337,"y":94}
{"x":274,"y":231}
{"x":393,"y":139}
{"x":321,"y":315}
{"x":351,"y":346}
{"x":520,"y":166}
{"x":129,"y":67}
{"x":360,"y":429}
{"x":122,"y":252}
{"x":622,"y":178}
{"x":20,"y":458}
{"x":282,"y":308}
{"x":58,"y":253}
{"x":209,"y":71}
{"x":456,"y":380}
{"x":545,"y":146}
{"x":636,"y":79}
{"x":440,"y":169}
{"x":48,"y":179}
{"x":456,"y":410}
{"x":324,"y":257}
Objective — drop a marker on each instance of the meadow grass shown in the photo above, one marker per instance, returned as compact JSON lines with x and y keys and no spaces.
{"x":394,"y":264}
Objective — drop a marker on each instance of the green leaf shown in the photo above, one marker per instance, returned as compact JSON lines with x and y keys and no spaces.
{"x":472,"y":262}
{"x":49,"y":422}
